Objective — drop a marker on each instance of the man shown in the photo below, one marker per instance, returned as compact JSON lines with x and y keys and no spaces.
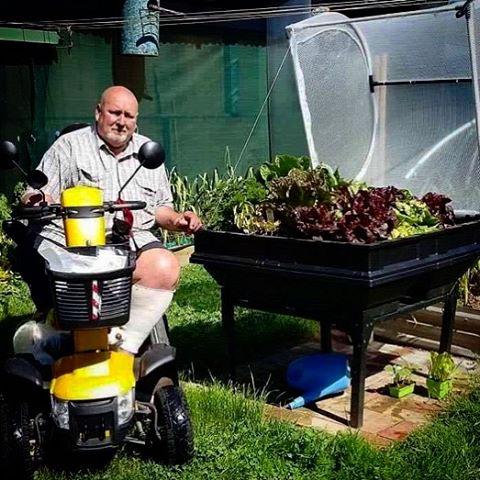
{"x":104,"y":156}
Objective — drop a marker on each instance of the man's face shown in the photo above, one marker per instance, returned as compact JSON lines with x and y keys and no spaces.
{"x":117,"y":119}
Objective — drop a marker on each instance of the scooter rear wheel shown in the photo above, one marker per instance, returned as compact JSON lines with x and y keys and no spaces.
{"x":172,"y":440}
{"x":4,"y":434}
{"x":16,"y":460}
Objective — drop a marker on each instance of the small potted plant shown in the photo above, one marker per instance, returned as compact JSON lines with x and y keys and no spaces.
{"x":402,"y":383}
{"x":440,"y":373}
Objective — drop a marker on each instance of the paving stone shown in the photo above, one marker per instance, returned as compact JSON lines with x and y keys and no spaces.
{"x":398,"y":431}
{"x":298,"y":417}
{"x":380,"y":403}
{"x":329,"y":426}
{"x":375,"y":422}
{"x":378,"y":380}
{"x":375,"y":440}
{"x":399,"y":413}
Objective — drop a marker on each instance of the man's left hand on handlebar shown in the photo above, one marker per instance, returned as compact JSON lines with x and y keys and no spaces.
{"x":33,"y":199}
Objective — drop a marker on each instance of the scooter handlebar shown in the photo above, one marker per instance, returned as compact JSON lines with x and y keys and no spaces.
{"x":55,"y":210}
{"x":41,"y":212}
{"x":115,"y":207}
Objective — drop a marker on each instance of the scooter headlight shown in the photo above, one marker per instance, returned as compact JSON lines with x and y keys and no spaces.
{"x":60,"y":413}
{"x":125,"y":407}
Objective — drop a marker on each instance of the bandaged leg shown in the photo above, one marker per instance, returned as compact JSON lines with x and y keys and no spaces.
{"x":146,"y":310}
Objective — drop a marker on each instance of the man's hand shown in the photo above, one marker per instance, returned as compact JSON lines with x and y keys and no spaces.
{"x":187,"y":222}
{"x":169,"y":219}
{"x":34,"y":198}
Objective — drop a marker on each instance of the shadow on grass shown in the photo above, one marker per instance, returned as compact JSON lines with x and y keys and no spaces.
{"x":201,"y":346}
{"x":197,"y":333}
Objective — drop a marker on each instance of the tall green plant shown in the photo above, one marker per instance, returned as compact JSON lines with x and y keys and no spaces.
{"x":441,"y":366}
{"x":13,"y":291}
{"x":5,"y":243}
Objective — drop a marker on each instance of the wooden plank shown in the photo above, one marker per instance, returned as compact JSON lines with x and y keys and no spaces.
{"x":465,"y":321}
{"x":432,"y":332}
{"x":389,"y":336}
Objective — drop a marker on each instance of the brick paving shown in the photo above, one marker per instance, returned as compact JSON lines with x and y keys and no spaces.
{"x":386,"y":419}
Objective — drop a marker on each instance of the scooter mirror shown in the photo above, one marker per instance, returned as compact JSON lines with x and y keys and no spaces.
{"x":8,"y":155}
{"x":37,"y":179}
{"x":151,"y":155}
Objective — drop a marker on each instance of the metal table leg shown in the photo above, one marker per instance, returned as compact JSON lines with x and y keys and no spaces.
{"x":361,"y":331}
{"x":448,"y":319}
{"x":228,"y":322}
{"x":326,"y":336}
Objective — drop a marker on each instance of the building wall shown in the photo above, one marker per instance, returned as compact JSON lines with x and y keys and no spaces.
{"x":199,"y":98}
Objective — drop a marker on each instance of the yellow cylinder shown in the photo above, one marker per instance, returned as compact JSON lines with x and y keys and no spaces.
{"x":84,"y":222}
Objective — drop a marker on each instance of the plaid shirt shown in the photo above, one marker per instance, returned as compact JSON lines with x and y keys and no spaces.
{"x":83,"y":158}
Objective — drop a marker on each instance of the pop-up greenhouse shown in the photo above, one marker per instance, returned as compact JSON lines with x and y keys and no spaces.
{"x":391,"y":99}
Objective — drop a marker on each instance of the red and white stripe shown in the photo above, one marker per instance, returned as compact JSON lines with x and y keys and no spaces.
{"x":96,"y":300}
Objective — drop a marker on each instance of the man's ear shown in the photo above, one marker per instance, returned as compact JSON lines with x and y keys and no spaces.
{"x":97,"y":112}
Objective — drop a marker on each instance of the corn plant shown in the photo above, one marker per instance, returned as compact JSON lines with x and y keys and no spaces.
{"x":469,"y":284}
{"x":208,"y":195}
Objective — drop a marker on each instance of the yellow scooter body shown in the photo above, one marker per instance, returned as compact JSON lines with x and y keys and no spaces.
{"x":92,"y":376}
{"x":93,"y":371}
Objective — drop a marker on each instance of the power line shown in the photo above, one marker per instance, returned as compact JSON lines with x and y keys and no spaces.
{"x":168,"y":18}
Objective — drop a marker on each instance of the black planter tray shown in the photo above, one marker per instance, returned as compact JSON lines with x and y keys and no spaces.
{"x":369,"y":274}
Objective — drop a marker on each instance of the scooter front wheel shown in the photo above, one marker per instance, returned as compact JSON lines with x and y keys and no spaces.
{"x":171,"y":442}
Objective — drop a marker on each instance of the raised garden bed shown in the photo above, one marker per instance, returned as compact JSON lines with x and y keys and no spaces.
{"x":350,"y":285}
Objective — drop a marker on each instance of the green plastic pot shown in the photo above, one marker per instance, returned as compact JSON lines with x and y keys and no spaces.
{"x":400,"y":392}
{"x":438,"y":389}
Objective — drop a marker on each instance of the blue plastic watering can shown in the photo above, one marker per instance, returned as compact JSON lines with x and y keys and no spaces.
{"x":318,"y":376}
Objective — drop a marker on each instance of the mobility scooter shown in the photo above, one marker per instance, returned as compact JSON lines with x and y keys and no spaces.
{"x":90,"y":398}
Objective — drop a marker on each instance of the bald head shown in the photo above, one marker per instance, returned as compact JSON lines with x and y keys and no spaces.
{"x":118,"y":93}
{"x":116,"y":117}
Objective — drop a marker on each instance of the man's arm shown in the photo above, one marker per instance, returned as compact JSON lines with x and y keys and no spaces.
{"x":169,"y":219}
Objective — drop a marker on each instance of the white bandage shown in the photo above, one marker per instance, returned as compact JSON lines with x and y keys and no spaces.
{"x":146,"y":310}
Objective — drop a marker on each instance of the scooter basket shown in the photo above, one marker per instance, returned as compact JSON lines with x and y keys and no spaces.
{"x":92,"y":300}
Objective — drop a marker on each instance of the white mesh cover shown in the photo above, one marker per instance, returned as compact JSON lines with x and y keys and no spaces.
{"x":473,"y":19}
{"x":418,"y":131}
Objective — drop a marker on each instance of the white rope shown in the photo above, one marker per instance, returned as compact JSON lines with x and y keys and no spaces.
{"x":257,"y":119}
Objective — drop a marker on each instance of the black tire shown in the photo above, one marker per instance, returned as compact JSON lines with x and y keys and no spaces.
{"x":16,"y":459}
{"x":172,"y":442}
{"x":5,"y":443}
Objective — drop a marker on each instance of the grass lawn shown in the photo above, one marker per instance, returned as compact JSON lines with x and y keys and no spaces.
{"x":235,"y":441}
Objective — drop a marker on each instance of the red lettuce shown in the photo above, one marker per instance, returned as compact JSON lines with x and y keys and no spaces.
{"x":366,"y":216}
{"x":437,"y":204}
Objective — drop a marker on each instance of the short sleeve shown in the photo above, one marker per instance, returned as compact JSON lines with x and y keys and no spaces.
{"x":164,"y":197}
